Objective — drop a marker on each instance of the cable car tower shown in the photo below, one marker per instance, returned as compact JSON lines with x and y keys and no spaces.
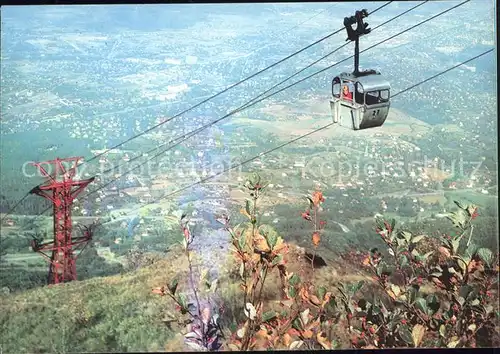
{"x":360,"y":99}
{"x":61,"y":190}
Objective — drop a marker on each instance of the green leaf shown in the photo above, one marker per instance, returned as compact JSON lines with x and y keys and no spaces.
{"x":433,"y":304}
{"x":272,"y":237}
{"x":459,"y":219}
{"x":294,"y":280}
{"x":269,"y":315}
{"x":321,"y":293}
{"x":375,"y":310}
{"x":247,"y":207}
{"x":380,"y":268}
{"x":465,"y":290}
{"x":296,"y":324}
{"x":485,"y":255}
{"x":418,"y":238}
{"x":292,"y":292}
{"x":357,"y":287}
{"x":421,"y":304}
{"x":405,"y":334}
{"x":182,"y":300}
{"x":472,"y":250}
{"x":380,"y":223}
{"x":404,"y":261}
{"x":401,"y":235}
{"x":277,"y":259}
{"x":172,"y":287}
{"x":241,"y":242}
{"x":332,"y":304}
{"x":412,"y":293}
{"x":393,"y":224}
{"x":258,"y":178}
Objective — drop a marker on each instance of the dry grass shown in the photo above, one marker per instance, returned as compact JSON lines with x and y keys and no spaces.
{"x":431,"y":199}
{"x":436,"y":174}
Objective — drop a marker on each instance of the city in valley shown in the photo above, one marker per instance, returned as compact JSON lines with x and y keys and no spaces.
{"x":78,"y":81}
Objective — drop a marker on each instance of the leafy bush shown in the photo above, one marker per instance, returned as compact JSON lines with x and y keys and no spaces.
{"x":459,"y":285}
{"x":426,"y":291}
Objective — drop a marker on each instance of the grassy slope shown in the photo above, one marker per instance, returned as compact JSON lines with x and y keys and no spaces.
{"x":119,"y":313}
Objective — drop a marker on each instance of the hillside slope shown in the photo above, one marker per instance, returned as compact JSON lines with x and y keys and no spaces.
{"x":120,"y":313}
{"x":116,"y":313}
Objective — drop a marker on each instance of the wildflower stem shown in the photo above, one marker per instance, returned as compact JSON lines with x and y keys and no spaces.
{"x":470,"y":235}
{"x":315,"y":230}
{"x":195,"y":295}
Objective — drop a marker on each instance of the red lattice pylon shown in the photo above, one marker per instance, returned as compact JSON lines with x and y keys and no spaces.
{"x":61,"y":190}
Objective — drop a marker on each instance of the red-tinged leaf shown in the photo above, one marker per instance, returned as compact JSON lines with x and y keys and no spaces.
{"x":314,"y":299}
{"x":316,"y":239}
{"x":160,"y":291}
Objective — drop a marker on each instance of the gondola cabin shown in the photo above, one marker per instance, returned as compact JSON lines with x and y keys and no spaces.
{"x":360,"y":101}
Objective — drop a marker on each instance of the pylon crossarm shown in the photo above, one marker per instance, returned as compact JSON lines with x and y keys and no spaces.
{"x":81,"y":186}
{"x":62,"y":193}
{"x":39,"y":191}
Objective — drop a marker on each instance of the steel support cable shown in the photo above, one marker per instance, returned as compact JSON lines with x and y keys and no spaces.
{"x":216,"y":95}
{"x":15,"y":206}
{"x":255,"y":98}
{"x":186,"y":136}
{"x":166,"y":195}
{"x":254,"y":102}
{"x":250,"y":103}
{"x":226,"y":89}
{"x":212,"y":97}
{"x":335,"y":50}
{"x":178,"y":140}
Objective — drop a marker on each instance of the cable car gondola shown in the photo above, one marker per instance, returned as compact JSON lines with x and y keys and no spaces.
{"x":360,"y":99}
